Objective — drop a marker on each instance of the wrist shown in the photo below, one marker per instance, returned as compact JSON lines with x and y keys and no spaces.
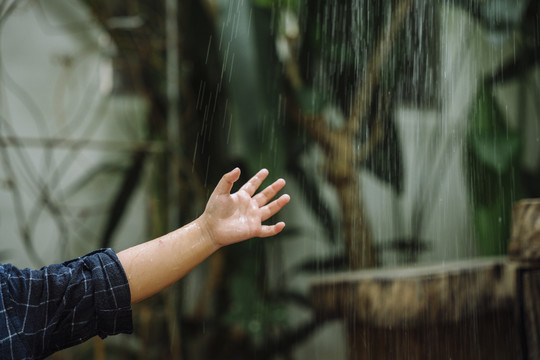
{"x":207,"y":235}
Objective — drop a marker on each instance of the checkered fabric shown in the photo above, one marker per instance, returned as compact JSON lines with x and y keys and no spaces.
{"x":43,"y":311}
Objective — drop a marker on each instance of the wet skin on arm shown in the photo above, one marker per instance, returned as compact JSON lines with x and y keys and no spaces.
{"x":228,"y":218}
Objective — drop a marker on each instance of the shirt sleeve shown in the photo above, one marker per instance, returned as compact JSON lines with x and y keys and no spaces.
{"x":65,"y":304}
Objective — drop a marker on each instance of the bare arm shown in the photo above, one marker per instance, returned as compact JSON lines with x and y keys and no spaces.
{"x":227,"y":219}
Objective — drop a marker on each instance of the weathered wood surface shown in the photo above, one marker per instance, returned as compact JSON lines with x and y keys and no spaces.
{"x":459,"y":310}
{"x":417,"y":295}
{"x":524,"y":250}
{"x":486,"y":336}
{"x":477,"y":309}
{"x":525,"y":242}
{"x":530,"y":285}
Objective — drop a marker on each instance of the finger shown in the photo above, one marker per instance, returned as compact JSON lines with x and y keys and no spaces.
{"x":226,"y":183}
{"x":271,"y":209}
{"x":267,"y":194}
{"x":271,"y":230}
{"x":253,"y":184}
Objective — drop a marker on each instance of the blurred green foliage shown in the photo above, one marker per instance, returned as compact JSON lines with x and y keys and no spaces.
{"x":250,"y":310}
{"x":493,"y":152}
{"x":279,"y":4}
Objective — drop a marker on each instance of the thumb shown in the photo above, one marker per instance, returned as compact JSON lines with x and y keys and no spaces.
{"x":226,"y":183}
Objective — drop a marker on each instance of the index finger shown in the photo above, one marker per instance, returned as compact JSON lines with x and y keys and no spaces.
{"x":253,"y":184}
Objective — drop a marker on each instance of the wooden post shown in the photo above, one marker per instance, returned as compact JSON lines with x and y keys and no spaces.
{"x":524,"y":250}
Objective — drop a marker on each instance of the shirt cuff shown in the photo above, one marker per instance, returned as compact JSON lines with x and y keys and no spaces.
{"x":112,"y":294}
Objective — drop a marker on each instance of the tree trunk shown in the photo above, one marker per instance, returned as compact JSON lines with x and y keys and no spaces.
{"x":356,"y":229}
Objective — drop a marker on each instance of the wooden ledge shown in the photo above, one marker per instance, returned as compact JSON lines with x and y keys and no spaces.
{"x":525,"y":241}
{"x":417,"y":295}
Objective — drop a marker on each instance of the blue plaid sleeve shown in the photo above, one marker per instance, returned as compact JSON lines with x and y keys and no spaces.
{"x":43,"y":311}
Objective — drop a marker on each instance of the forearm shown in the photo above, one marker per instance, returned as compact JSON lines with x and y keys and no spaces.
{"x":152,"y":266}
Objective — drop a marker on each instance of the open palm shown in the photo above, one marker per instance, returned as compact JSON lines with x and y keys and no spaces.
{"x":230,"y":218}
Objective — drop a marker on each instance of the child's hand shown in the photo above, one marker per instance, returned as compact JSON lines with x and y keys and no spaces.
{"x":231,"y":218}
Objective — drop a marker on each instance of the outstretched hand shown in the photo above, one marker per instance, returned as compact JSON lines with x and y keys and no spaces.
{"x":231,"y":218}
{"x":227,"y":219}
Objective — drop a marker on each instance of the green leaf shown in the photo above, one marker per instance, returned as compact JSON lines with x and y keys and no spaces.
{"x":492,"y":225}
{"x":492,"y":160}
{"x":492,"y":198}
{"x":485,"y":116}
{"x":264,"y":3}
{"x":489,"y":138}
{"x":492,"y":150}
{"x":497,"y":151}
